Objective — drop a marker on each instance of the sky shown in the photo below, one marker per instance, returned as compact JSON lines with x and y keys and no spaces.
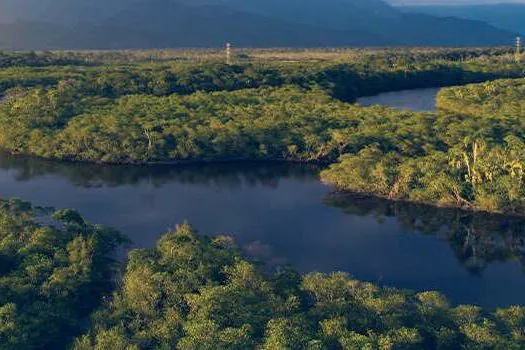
{"x":453,"y":2}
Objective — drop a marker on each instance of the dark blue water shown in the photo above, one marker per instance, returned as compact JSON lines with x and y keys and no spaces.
{"x":283,"y":214}
{"x":419,"y":100}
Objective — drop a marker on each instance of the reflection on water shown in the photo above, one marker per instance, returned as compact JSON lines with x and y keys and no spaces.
{"x":282,"y":214}
{"x":418,"y":100}
{"x":224,"y":175}
{"x":477,"y":239}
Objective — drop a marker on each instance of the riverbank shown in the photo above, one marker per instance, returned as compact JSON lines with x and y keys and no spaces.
{"x":466,"y":209}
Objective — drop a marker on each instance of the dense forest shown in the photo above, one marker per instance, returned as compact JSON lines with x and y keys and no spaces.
{"x":504,"y":98}
{"x":481,"y":168}
{"x":195,"y":291}
{"x":54,"y":269}
{"x":286,"y":123}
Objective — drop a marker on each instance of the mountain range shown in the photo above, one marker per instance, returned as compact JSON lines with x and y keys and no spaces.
{"x":128,"y":24}
{"x":505,"y":16}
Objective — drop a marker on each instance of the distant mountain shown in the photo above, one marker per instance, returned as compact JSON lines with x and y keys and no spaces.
{"x":505,"y":16}
{"x":31,"y":35}
{"x":335,"y":14}
{"x":117,"y":24}
{"x":377,"y":17}
{"x":374,"y":16}
{"x":60,"y":11}
{"x":164,"y":23}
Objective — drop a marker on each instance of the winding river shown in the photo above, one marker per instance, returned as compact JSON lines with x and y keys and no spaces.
{"x":283,"y":214}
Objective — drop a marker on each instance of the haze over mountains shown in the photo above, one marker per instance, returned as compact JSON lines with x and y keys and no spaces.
{"x":509,"y":16}
{"x":120,"y":24}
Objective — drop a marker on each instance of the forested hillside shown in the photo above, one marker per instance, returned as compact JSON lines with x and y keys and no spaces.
{"x":372,"y":16}
{"x":164,"y":23}
{"x":124,"y":24}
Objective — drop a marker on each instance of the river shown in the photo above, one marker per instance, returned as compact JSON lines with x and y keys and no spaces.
{"x":418,"y":100}
{"x":283,"y":214}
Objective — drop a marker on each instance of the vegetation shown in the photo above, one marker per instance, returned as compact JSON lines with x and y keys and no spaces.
{"x":478,"y":168}
{"x":198,"y":292}
{"x":257,"y":124}
{"x":53,"y":273}
{"x":504,"y":98}
{"x":350,"y":72}
{"x":40,"y":59}
{"x":474,"y":176}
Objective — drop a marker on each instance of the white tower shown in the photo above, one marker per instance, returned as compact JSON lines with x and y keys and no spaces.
{"x":518,"y":49}
{"x":228,"y":53}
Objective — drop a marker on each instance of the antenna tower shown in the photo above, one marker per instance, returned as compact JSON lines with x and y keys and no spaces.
{"x":228,"y":53}
{"x":518,"y":49}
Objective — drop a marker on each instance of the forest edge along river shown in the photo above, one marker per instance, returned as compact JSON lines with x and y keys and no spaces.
{"x":282,"y":213}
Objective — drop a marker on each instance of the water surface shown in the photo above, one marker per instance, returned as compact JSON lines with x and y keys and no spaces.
{"x":418,"y":100}
{"x":283,"y":214}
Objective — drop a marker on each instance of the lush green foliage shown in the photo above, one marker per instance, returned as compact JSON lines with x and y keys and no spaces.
{"x":194,"y":291}
{"x":53,"y":273}
{"x":285,"y":123}
{"x":473,"y":175}
{"x":504,"y":98}
{"x":344,"y":73}
{"x":198,"y":292}
{"x":480,"y":165}
{"x":168,"y":112}
{"x":41,"y":59}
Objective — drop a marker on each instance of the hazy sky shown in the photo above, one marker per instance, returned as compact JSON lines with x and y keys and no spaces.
{"x":453,"y":2}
